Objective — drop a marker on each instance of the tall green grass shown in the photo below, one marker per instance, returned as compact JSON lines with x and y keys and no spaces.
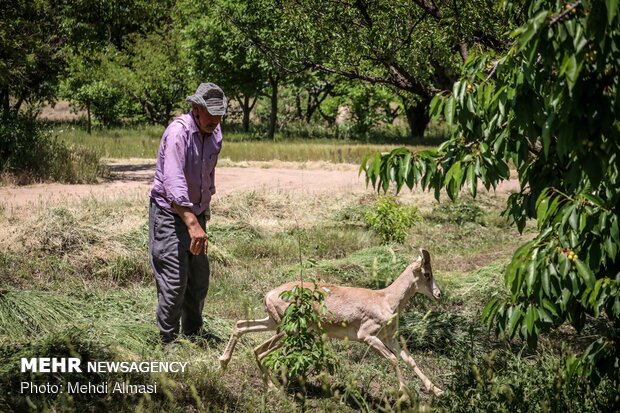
{"x":143,"y":142}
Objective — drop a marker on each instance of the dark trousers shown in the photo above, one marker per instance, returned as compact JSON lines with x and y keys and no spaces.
{"x":182,"y":278}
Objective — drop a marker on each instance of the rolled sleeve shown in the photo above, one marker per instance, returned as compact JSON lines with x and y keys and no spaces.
{"x":174,"y":180}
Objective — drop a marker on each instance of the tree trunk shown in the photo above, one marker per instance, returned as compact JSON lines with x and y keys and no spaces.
{"x":18,"y":105}
{"x":5,"y":101}
{"x":463,"y":50}
{"x":89,"y":126}
{"x":245,"y":106}
{"x":309,"y":107}
{"x":418,"y":117}
{"x":273,"y":117}
{"x":298,"y":111}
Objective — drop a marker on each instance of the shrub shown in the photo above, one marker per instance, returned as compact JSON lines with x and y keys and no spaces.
{"x":391,"y":220}
{"x":505,"y":382}
{"x":458,"y":213}
{"x":30,"y":152}
{"x":353,"y":215}
{"x":304,"y":350}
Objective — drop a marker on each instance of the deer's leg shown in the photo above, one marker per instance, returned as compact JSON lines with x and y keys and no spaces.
{"x":404,"y":353}
{"x":243,"y":327}
{"x":382,"y":349}
{"x":260,"y":351}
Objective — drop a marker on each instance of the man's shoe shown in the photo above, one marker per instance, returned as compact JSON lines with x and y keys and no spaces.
{"x":167,"y":338}
{"x":202,"y":334}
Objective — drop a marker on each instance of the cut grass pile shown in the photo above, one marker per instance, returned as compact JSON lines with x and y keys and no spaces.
{"x":81,"y":286}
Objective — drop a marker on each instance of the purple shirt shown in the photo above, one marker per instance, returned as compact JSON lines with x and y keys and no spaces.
{"x":185,"y":170}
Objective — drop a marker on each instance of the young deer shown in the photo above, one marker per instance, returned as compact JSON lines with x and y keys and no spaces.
{"x":360,"y":314}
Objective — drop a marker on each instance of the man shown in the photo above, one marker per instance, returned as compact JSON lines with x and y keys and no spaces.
{"x":179,"y":209}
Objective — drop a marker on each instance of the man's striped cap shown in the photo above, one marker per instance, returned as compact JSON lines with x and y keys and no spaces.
{"x":210,"y":96}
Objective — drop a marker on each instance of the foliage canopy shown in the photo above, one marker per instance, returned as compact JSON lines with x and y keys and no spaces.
{"x":549,"y":106}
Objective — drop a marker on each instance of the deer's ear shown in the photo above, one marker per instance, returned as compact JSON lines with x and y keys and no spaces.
{"x":426,"y":259}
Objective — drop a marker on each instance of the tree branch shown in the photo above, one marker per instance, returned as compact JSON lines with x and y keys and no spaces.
{"x":361,"y":7}
{"x":431,"y":8}
{"x":566,"y":11}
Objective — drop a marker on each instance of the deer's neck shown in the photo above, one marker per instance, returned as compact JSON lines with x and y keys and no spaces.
{"x":401,"y":290}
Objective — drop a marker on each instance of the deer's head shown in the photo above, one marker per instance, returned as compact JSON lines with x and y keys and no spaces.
{"x":426,"y":282}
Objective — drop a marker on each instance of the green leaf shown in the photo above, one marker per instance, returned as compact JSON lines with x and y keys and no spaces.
{"x":452,"y":179}
{"x":612,"y":10}
{"x":566,"y":296}
{"x":471,"y":180}
{"x":489,"y":311}
{"x":436,"y":106}
{"x":546,"y":134}
{"x":363,"y":164}
{"x":595,"y":292}
{"x":513,"y":322}
{"x":593,"y":199}
{"x":541,"y":208}
{"x":611,"y":248}
{"x":531,"y":276}
{"x":531,"y":316}
{"x":585,"y":273}
{"x":564,"y":266}
{"x":544,"y":316}
{"x":548,"y":305}
{"x":532,"y":26}
{"x":449,"y":110}
{"x":614,"y":232}
{"x":470,"y":105}
{"x":545,"y":282}
{"x":572,"y":219}
{"x":571,"y":69}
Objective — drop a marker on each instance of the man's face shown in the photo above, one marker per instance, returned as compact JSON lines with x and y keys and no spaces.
{"x":206,"y":121}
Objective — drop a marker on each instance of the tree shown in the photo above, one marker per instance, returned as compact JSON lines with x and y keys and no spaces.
{"x":413,"y":46}
{"x":155,"y":73}
{"x":263,"y":20}
{"x":31,"y":59}
{"x":90,"y":84}
{"x":220,"y":54}
{"x":549,"y":106}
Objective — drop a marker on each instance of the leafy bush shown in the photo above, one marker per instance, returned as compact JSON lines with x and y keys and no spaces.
{"x":391,"y":220}
{"x":353,"y":215}
{"x":504,"y":382}
{"x":304,"y":350}
{"x":458,"y":213}
{"x":29,"y":151}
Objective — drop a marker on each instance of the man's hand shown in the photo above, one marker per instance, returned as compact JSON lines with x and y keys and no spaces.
{"x":199,"y":240}
{"x":198,"y":237}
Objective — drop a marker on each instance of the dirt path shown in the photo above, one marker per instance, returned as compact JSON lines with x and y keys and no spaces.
{"x":133,"y":177}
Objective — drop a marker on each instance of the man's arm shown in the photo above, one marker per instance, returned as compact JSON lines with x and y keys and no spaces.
{"x":197,"y":235}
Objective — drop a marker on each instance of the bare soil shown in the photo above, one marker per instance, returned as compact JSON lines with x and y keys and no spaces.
{"x":133,"y":178}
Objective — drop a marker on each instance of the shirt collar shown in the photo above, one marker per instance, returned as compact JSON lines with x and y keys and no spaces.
{"x":192,"y":124}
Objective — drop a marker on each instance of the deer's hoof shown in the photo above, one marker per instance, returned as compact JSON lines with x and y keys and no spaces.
{"x":437,"y":391}
{"x":223,"y":363}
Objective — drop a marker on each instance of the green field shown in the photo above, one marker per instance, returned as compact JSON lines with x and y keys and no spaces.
{"x":75,"y":280}
{"x":143,"y":142}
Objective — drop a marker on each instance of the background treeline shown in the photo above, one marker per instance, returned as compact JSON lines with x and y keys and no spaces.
{"x":339,"y":69}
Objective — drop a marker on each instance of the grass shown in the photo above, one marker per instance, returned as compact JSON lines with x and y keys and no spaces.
{"x":75,"y":280}
{"x":143,"y":142}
